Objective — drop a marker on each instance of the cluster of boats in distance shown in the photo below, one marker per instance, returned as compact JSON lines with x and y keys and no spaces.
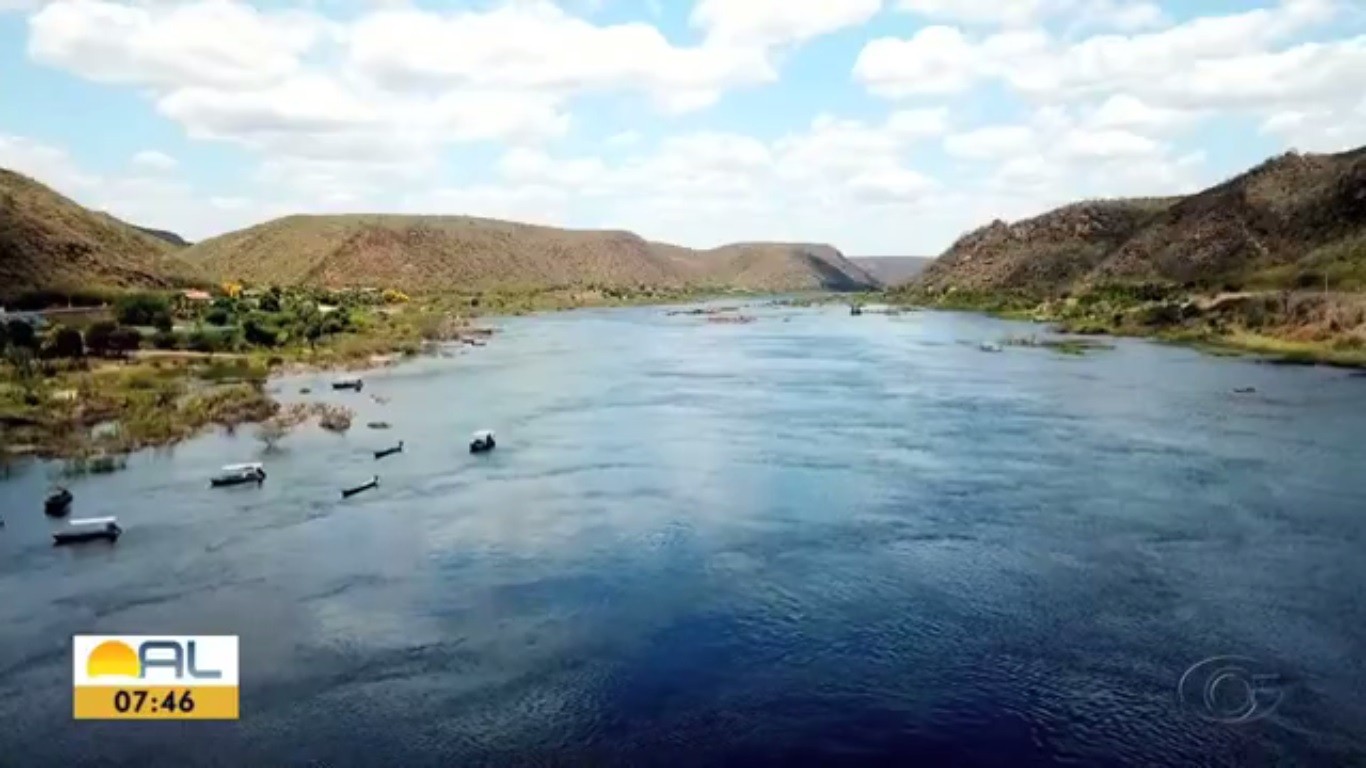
{"x":58,"y":502}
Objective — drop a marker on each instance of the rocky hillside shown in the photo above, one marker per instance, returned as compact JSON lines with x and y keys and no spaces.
{"x":893,"y":270}
{"x":1291,"y":221}
{"x":48,"y":242}
{"x":445,"y":252}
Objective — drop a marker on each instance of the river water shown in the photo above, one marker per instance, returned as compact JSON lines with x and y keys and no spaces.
{"x":815,"y":538}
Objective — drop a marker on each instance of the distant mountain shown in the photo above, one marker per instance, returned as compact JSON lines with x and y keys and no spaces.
{"x":48,"y":242}
{"x":453,"y":252}
{"x":892,"y":270}
{"x":1286,"y":223}
{"x":164,"y":236}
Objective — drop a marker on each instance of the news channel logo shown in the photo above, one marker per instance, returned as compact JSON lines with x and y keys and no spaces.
{"x":154,"y":676}
{"x":1232,"y":690}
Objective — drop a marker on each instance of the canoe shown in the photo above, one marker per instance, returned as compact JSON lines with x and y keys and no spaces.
{"x":390,"y":451}
{"x":349,"y":492}
{"x":355,"y":384}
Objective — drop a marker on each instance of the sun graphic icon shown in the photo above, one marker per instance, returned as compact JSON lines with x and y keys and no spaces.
{"x":112,"y":659}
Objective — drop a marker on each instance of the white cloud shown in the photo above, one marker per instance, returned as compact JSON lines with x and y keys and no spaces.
{"x":1320,"y":130}
{"x":154,"y":161}
{"x":159,"y":200}
{"x":778,"y":22}
{"x":1120,"y":14}
{"x":536,"y":45}
{"x":215,"y":42}
{"x":1205,"y":62}
{"x":991,"y":142}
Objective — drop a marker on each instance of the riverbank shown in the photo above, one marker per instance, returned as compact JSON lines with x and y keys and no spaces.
{"x":1286,"y":327}
{"x":211,"y":369}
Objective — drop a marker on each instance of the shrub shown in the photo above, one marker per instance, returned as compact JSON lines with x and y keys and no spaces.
{"x":125,"y":339}
{"x":259,"y":332}
{"x":65,"y":342}
{"x":98,"y":337}
{"x":218,"y":316}
{"x":143,"y":309}
{"x":21,"y":335}
{"x":166,"y":340}
{"x":204,"y":341}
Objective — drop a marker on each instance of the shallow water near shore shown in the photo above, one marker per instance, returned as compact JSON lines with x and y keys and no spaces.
{"x":815,"y":538}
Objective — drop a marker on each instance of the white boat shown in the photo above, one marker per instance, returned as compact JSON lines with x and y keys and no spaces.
{"x":987,"y":346}
{"x":239,"y":474}
{"x":482,"y":441}
{"x":88,"y":529}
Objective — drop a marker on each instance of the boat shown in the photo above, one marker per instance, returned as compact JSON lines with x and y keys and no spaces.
{"x":89,"y":529}
{"x":855,"y":309}
{"x":1245,"y":391}
{"x":987,"y":346}
{"x":58,"y":503}
{"x":355,"y":384}
{"x":349,"y":492}
{"x":390,"y":451}
{"x":239,"y":474}
{"x":482,"y":441}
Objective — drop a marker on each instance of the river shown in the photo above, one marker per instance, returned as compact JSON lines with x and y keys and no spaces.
{"x":814,"y":538}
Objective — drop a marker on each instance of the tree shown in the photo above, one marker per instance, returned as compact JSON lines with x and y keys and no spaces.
{"x":270,"y":302}
{"x":22,"y":335}
{"x":64,"y":342}
{"x":260,"y":333}
{"x":165,"y":340}
{"x":218,"y":316}
{"x":124,"y":340}
{"x":163,"y":324}
{"x":97,"y":337}
{"x":142,"y":309}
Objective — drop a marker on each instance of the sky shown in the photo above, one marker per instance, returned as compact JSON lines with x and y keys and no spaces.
{"x":883,"y":127}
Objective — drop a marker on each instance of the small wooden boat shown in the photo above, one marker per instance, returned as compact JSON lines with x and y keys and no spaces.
{"x":58,"y":503}
{"x":482,"y":441}
{"x":390,"y":451}
{"x":90,"y":529}
{"x":349,"y":492}
{"x":355,"y":384}
{"x":239,"y":474}
{"x":378,"y":425}
{"x":1245,"y":391}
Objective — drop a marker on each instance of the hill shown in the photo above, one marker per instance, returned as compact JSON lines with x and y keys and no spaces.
{"x":449,"y":252}
{"x":49,"y":242}
{"x":164,"y":236}
{"x":892,"y":270}
{"x":1287,"y":223}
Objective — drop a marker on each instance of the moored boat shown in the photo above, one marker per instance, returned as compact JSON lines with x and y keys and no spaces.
{"x":89,"y":529}
{"x":349,"y":492}
{"x":57,"y":503}
{"x":389,"y":451}
{"x":239,"y":474}
{"x":355,"y":384}
{"x":482,"y":441}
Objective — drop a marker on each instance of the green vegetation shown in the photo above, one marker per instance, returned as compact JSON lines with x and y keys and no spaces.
{"x":1293,"y":327}
{"x":168,"y":366}
{"x":1064,"y":346}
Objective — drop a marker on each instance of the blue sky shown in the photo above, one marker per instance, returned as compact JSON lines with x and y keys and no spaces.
{"x":881,"y":126}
